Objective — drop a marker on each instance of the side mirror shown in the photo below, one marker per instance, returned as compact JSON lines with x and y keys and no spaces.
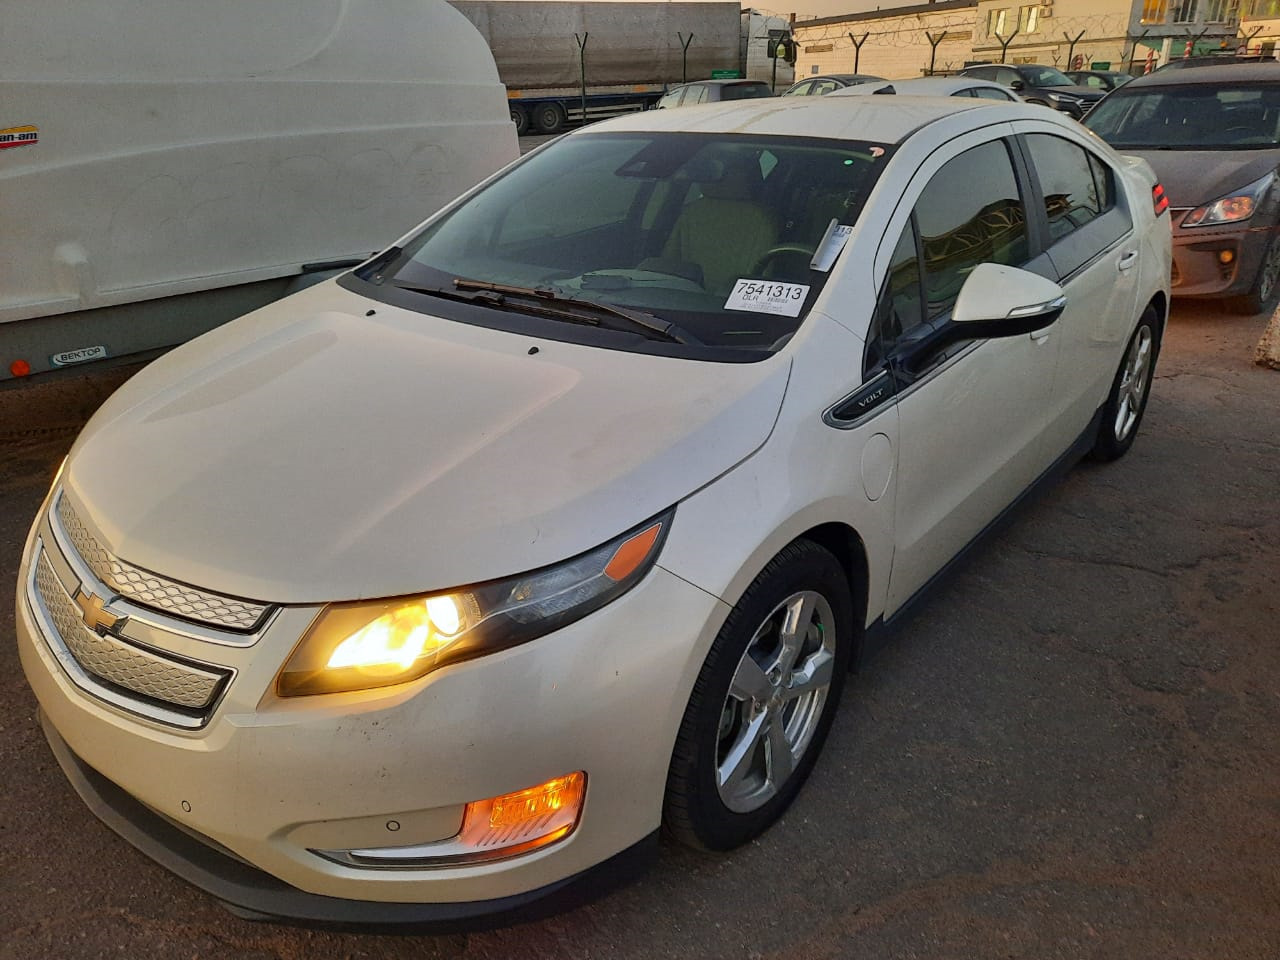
{"x":1017,"y":85}
{"x":995,"y":301}
{"x":1000,"y":301}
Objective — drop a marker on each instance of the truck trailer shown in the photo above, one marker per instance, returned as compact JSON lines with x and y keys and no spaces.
{"x":166,"y":167}
{"x":570,"y":62}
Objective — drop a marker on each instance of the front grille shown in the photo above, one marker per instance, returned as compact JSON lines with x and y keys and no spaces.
{"x":121,"y":672}
{"x":152,"y":590}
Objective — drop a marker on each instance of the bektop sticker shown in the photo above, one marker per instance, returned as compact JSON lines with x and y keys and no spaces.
{"x":23,"y":136}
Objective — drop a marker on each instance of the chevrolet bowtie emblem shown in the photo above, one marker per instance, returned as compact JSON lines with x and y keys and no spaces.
{"x":95,"y":617}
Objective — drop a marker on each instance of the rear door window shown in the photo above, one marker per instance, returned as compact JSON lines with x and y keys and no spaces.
{"x":1078,"y":192}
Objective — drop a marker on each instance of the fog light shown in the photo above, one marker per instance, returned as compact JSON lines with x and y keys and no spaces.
{"x":492,"y":829}
{"x":525,"y":819}
{"x":1226,"y":256}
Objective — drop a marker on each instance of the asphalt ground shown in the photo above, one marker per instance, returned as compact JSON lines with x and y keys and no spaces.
{"x":1071,"y":752}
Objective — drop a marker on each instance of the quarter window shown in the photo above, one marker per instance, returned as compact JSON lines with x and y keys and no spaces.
{"x":899,"y":310}
{"x":1077,"y":187}
{"x":970,"y":213}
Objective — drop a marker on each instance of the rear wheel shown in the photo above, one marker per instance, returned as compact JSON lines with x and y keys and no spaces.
{"x":1127,"y":402}
{"x":763,"y":702}
{"x":520,"y":118}
{"x":548,"y":117}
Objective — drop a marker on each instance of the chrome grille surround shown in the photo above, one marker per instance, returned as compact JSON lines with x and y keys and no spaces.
{"x":152,"y":590}
{"x":141,"y":681}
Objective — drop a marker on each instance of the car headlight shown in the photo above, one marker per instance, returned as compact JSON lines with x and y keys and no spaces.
{"x":1064,"y":98}
{"x":365,"y":644}
{"x":1239,"y":205}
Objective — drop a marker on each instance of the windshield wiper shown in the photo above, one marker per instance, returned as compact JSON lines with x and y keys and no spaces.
{"x":646,"y":322}
{"x":499,"y":302}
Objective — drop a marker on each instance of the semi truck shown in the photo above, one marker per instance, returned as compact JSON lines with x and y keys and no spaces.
{"x":571,"y":62}
{"x":166,"y":167}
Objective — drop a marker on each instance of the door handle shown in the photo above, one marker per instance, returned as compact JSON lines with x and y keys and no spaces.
{"x":1127,"y":262}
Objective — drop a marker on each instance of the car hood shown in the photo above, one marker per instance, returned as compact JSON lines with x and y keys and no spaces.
{"x":1076,"y":90}
{"x":310,"y":453}
{"x":1194,"y":177}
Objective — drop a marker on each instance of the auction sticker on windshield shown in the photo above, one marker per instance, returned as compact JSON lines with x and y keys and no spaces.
{"x":766,"y":296}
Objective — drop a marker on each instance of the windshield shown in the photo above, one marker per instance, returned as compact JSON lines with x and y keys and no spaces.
{"x":1045,"y":77}
{"x":1243,"y":116}
{"x":712,"y":232}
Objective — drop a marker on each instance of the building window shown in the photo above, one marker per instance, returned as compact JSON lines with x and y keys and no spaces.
{"x":1221,"y":11}
{"x":1184,"y":11}
{"x":997,"y":22}
{"x":1259,"y":9}
{"x":1028,"y":18}
{"x":1154,"y":11}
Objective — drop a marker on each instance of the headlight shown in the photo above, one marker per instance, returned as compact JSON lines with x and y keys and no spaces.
{"x":356,"y":646}
{"x":1240,"y":205}
{"x":1063,"y":98}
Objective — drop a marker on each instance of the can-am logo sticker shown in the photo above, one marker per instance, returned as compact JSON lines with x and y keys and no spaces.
{"x":19,"y":136}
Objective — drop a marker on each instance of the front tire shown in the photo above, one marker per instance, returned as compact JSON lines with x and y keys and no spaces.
{"x":1127,"y":402}
{"x":1263,"y":293}
{"x":763,"y":703}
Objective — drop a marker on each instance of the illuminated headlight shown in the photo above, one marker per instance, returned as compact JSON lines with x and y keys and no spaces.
{"x":356,"y":646}
{"x":1240,"y":205}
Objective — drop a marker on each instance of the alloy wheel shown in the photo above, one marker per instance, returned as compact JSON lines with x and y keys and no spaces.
{"x":1133,"y":382}
{"x":775,"y":701}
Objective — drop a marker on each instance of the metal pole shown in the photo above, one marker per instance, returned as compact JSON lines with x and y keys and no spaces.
{"x":1072,"y":48}
{"x":684,"y":63}
{"x":857,"y":49}
{"x":582,"y":68}
{"x":933,"y":53}
{"x":1004,"y":44}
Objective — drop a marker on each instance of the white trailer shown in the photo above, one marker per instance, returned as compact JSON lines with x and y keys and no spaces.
{"x":165,"y":167}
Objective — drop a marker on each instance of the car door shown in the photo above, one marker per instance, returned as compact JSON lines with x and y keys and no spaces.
{"x":1091,"y":243}
{"x":970,"y":418}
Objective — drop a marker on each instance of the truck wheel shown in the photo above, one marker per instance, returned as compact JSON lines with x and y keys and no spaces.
{"x":520,"y":118}
{"x":548,"y":117}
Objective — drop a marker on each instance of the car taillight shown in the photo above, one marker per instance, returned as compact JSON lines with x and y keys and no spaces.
{"x":1159,"y":199}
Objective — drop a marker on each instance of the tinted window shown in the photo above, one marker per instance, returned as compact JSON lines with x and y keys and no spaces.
{"x":1005,"y":75}
{"x":982,"y":73}
{"x":1067,"y":178}
{"x":1045,"y":77}
{"x":745,"y":91}
{"x":900,"y":308}
{"x":990,"y":93}
{"x":970,"y":213}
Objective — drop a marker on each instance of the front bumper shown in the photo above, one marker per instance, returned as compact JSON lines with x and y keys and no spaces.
{"x":1198,"y":270}
{"x":270,"y":781}
{"x":253,"y":895}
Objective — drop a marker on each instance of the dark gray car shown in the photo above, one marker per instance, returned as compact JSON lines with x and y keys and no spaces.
{"x":1036,"y":83}
{"x":1213,"y":137}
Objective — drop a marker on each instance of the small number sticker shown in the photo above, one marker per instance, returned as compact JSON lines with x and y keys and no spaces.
{"x":768,"y":296}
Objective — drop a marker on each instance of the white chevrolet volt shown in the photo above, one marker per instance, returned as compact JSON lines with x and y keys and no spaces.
{"x":429,"y":594}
